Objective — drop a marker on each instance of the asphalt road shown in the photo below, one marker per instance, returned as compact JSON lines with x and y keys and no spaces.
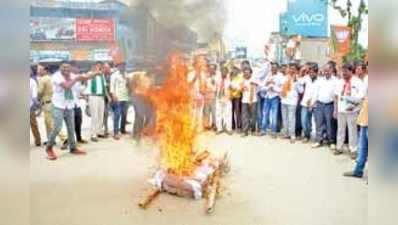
{"x":271,"y":182}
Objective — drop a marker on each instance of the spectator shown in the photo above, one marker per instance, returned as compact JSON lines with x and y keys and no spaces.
{"x":306,"y":102}
{"x":33,"y":106}
{"x":223,"y":103}
{"x":289,"y":98}
{"x":349,"y":94}
{"x":323,"y":104}
{"x":236,"y":98}
{"x":273,"y":87}
{"x":210,"y":100}
{"x":96,"y":89}
{"x":249,"y":101}
{"x":119,"y":93}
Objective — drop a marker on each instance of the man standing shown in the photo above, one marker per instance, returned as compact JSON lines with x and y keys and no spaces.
{"x":306,"y":102}
{"x":349,"y":95}
{"x":323,"y":98}
{"x":77,"y":92}
{"x":45,"y":93}
{"x":210,"y":101}
{"x":363,"y":122}
{"x":96,"y":90}
{"x":107,"y":73}
{"x":236,"y":99}
{"x":63,"y":108}
{"x":33,"y":105}
{"x":273,"y":87}
{"x":120,"y":95}
{"x":223,"y":103}
{"x":249,"y":102}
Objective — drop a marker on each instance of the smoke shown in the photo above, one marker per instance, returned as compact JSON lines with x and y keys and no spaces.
{"x":206,"y":17}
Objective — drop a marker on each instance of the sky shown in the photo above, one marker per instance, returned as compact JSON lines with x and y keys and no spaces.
{"x":250,"y":22}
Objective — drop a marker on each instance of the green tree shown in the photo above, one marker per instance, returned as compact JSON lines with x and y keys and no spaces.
{"x":354,"y":21}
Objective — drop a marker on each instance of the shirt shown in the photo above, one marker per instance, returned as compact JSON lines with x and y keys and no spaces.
{"x":119,"y":86}
{"x":236,"y":83}
{"x":77,"y":90}
{"x":349,"y":94}
{"x":45,"y":90}
{"x":249,"y":90}
{"x":223,"y":87}
{"x":210,"y":87}
{"x":97,"y":86}
{"x":260,"y":76}
{"x":62,"y":98}
{"x":33,"y":91}
{"x":197,"y":84}
{"x":292,"y":95}
{"x":278,"y":81}
{"x":324,"y":90}
{"x":363,"y":117}
{"x":308,"y":86}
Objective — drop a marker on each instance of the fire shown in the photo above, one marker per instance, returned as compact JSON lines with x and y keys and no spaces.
{"x":174,"y":125}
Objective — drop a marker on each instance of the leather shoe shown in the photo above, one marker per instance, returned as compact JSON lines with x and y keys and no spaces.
{"x":351,"y":174}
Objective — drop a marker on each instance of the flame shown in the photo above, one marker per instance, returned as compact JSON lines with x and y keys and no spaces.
{"x":174,"y":128}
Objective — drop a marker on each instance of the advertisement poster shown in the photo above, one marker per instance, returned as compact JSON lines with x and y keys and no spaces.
{"x":340,"y":36}
{"x":305,"y":17}
{"x":95,"y":30}
{"x":49,"y":29}
{"x":49,"y":56}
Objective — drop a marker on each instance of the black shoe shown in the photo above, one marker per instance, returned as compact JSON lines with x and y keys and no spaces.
{"x":64,"y":145}
{"x":38,"y":144}
{"x":352,"y":174}
{"x":337,"y":152}
{"x":245,"y":134}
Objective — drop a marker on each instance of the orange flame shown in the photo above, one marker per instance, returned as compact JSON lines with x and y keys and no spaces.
{"x":174,"y":126}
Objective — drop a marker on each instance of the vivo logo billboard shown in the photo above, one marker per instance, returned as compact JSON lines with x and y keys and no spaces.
{"x":306,"y":18}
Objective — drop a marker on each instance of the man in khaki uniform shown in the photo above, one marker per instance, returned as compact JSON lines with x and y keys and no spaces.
{"x":45,"y":93}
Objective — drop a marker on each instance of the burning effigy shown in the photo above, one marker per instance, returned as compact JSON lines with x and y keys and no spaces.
{"x":184,"y":170}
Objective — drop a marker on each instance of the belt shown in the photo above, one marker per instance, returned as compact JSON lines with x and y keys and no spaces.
{"x":329,"y":103}
{"x":98,"y":95}
{"x":47,"y":102}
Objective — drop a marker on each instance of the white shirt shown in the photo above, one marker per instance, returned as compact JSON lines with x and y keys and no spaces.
{"x":352,"y":101}
{"x":324,"y":90}
{"x":247,"y":89}
{"x":291,"y":97}
{"x":260,"y":75}
{"x":77,"y":90}
{"x":58,"y":98}
{"x":279,"y":80}
{"x":33,"y":90}
{"x":308,"y":88}
{"x":118,"y":86}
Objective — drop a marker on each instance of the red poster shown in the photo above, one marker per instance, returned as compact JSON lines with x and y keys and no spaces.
{"x":95,"y":30}
{"x":341,"y":36}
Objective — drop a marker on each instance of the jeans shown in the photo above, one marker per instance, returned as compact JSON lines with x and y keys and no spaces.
{"x":270,"y":114}
{"x":306,"y":119}
{"x":123,"y":123}
{"x":249,"y":117}
{"x":68,"y":115}
{"x":78,"y":123}
{"x":259,"y":109}
{"x":298,"y":128}
{"x":289,"y":120}
{"x":323,"y":118}
{"x":362,"y":151}
{"x":106,"y":116}
{"x":118,"y":108}
{"x":144,"y":116}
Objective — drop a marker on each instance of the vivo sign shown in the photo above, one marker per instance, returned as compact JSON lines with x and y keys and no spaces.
{"x":310,"y":19}
{"x":305,"y":17}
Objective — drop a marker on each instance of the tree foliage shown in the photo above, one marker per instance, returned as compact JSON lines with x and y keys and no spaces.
{"x":354,"y":21}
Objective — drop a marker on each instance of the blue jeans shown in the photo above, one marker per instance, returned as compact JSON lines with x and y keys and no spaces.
{"x":270,"y":114}
{"x":118,"y":109}
{"x":362,"y":151}
{"x":306,"y":121}
{"x":324,"y":122}
{"x":60,"y":115}
{"x":259,"y":110}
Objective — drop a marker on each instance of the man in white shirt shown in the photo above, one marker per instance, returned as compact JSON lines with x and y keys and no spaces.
{"x":308,"y":82}
{"x":349,"y":94}
{"x":270,"y":111}
{"x":259,"y":77}
{"x":223,"y":103}
{"x":249,"y":101}
{"x":119,"y":93}
{"x":63,"y":101}
{"x":323,"y":104}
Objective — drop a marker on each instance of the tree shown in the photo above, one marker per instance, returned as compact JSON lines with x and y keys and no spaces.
{"x":354,"y":22}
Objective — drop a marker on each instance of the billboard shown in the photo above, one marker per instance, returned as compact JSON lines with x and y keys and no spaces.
{"x":306,"y":18}
{"x":49,"y":56}
{"x":95,"y":30}
{"x":49,"y":29}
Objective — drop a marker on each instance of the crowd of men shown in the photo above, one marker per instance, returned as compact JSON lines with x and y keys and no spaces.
{"x":306,"y":103}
